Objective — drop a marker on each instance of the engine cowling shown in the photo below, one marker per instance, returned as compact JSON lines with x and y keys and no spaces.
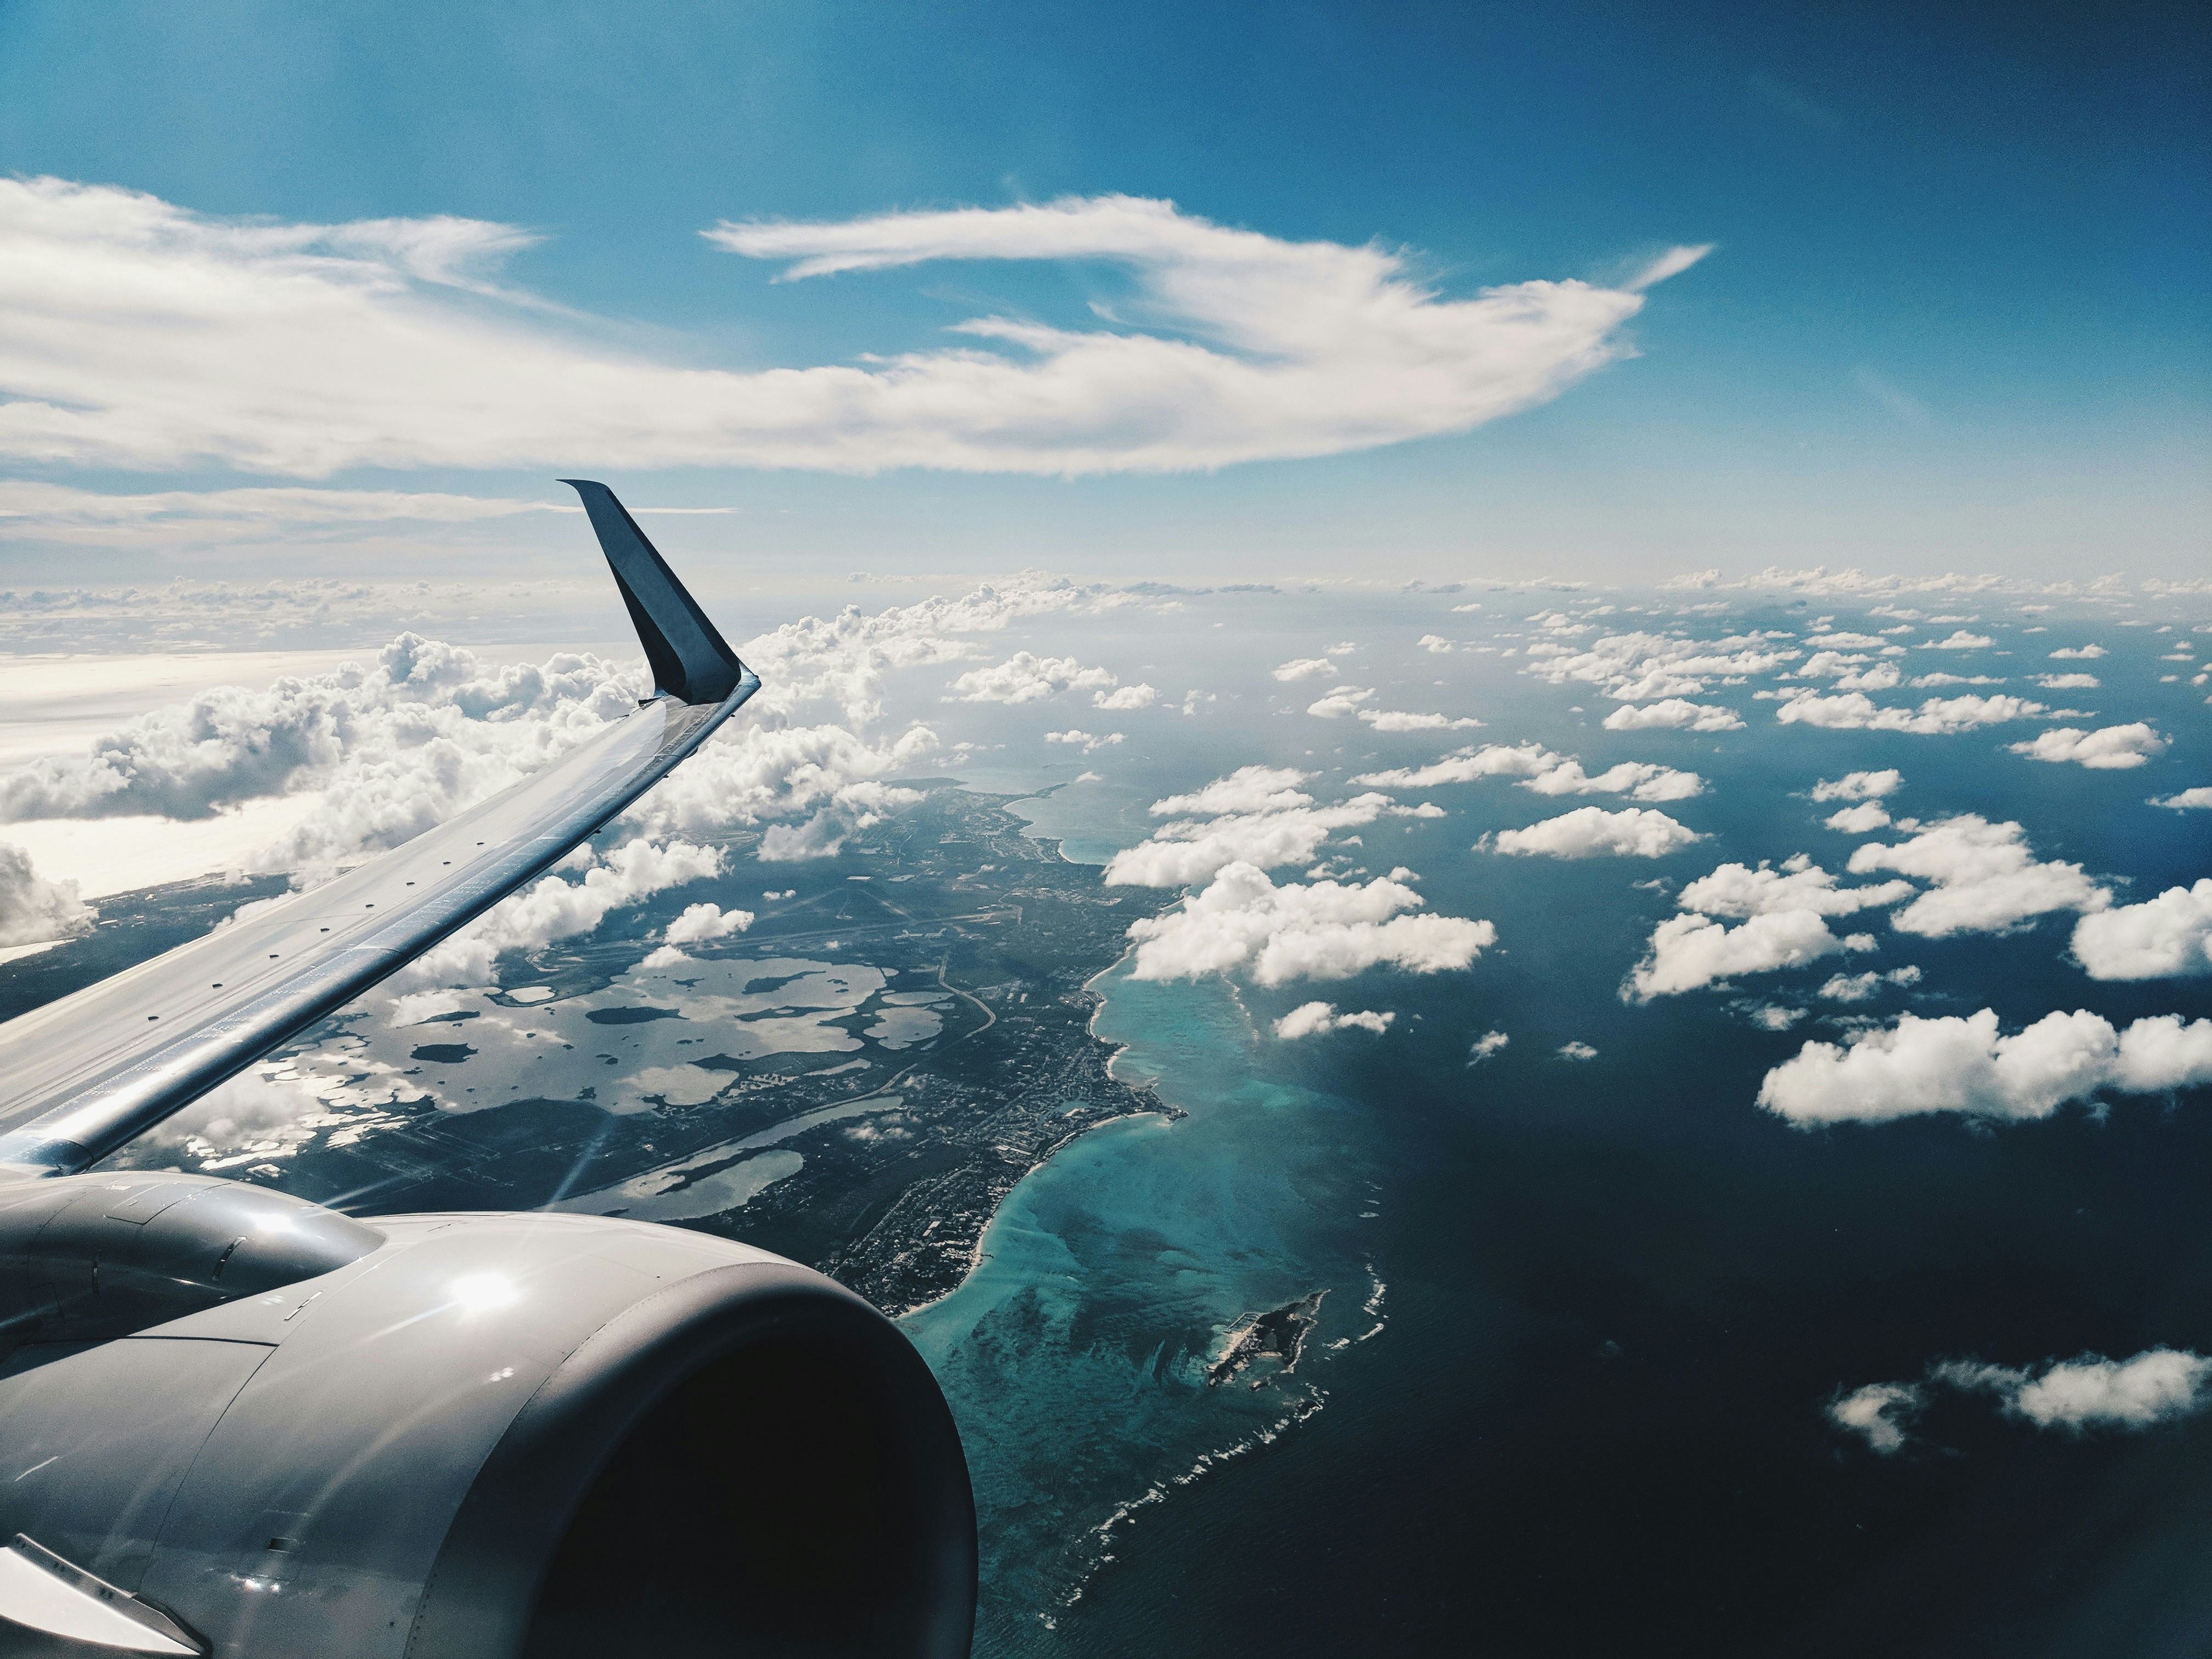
{"x":531,"y":1435}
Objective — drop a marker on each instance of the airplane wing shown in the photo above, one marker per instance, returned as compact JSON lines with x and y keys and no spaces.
{"x":233,"y":1422}
{"x":82,"y":1076}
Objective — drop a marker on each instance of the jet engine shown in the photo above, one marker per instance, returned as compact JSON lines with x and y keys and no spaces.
{"x":234,"y":1423}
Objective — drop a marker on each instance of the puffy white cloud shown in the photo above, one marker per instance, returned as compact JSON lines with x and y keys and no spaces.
{"x":1083,"y":739}
{"x":1242,"y":923}
{"x":754,"y":775}
{"x":551,"y":908}
{"x":1641,"y":666}
{"x":1576,"y":1051}
{"x":1672,"y":715}
{"x":1986,"y":877}
{"x":1842,"y":641}
{"x":1966,"y":1065}
{"x":1315,"y":1019}
{"x":31,"y":908}
{"x":1863,"y":819}
{"x":1304,"y":668}
{"x":2160,"y":939}
{"x":1027,"y":677}
{"x":2111,"y":747}
{"x":1641,"y":780}
{"x":2087,"y":653}
{"x":1862,"y":987}
{"x":1692,"y":952}
{"x":2187,"y":800}
{"x":1959,"y":640}
{"x":1879,"y":1413}
{"x":1859,"y":786}
{"x":1488,"y":1046}
{"x":1591,"y":832}
{"x":1248,"y":789}
{"x":1187,"y":851}
{"x":1737,"y":890}
{"x":1124,"y":698}
{"x":2092,"y":1392}
{"x":1343,"y":700}
{"x":1495,"y":760}
{"x":1854,"y":711}
{"x":701,"y":922}
{"x":2067,"y":682}
{"x":2159,"y":1385}
{"x":1392,"y":719}
{"x":300,"y":349}
{"x":1435,"y":644}
{"x":1543,"y":771}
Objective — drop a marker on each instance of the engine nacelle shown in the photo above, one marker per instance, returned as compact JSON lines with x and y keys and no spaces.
{"x":473,"y":1436}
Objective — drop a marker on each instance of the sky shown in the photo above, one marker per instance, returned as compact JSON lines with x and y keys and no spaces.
{"x":1401,"y":292}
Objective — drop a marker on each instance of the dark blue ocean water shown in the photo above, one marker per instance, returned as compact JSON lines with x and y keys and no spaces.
{"x":1612,"y":1296}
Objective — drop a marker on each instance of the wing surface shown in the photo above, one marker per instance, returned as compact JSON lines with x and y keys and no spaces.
{"x":82,"y":1076}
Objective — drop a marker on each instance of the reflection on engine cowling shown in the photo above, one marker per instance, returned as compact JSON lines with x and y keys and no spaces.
{"x":481,"y":1435}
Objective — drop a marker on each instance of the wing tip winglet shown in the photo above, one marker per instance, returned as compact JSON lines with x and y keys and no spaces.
{"x":691,"y":660}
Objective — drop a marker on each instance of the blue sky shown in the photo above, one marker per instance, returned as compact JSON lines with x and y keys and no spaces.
{"x":1953,"y":318}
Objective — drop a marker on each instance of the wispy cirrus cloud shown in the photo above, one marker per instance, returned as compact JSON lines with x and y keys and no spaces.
{"x":137,"y":333}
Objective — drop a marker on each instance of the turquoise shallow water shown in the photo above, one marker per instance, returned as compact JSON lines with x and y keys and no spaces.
{"x":1075,"y":1356}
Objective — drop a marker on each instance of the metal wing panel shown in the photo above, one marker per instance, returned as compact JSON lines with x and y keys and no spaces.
{"x":82,"y":1076}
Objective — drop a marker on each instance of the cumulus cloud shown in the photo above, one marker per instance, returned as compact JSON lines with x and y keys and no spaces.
{"x":1862,"y":987}
{"x":701,"y":922}
{"x":1124,"y":698}
{"x":1315,"y":1019}
{"x":1544,"y":772}
{"x":1493,"y":760}
{"x":2111,"y":747}
{"x":33,"y":909}
{"x":552,"y":908}
{"x":1083,"y":739}
{"x":1641,"y":780}
{"x":1737,"y":890}
{"x":1394,"y":719}
{"x":1592,"y":832}
{"x":1248,"y":789}
{"x":1859,"y":786}
{"x":300,"y":349}
{"x":2067,"y":682}
{"x":1194,"y":850}
{"x":1986,"y":878}
{"x":1304,"y":668}
{"x":2092,"y":1392}
{"x":1689,"y":952}
{"x":2081,"y":654}
{"x":1027,"y":677}
{"x":1435,"y":644}
{"x":1959,"y":640}
{"x":2162,"y":938}
{"x":1576,"y":1051}
{"x":1488,"y":1046}
{"x":1342,"y":701}
{"x":1242,"y":923}
{"x":1640,"y":666}
{"x":1672,"y":715}
{"x":2159,"y":1385}
{"x":1854,"y":711}
{"x":1863,"y":819}
{"x":1880,"y":1414}
{"x":1966,"y":1065}
{"x":2198,"y":799}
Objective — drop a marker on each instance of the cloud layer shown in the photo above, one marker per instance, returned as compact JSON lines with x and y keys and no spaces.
{"x":136,"y":334}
